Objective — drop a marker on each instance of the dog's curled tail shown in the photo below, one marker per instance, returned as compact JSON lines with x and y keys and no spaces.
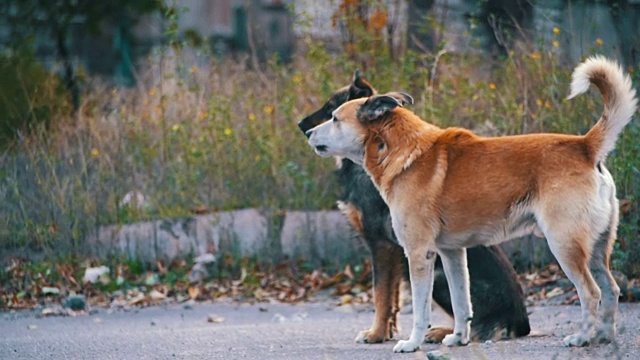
{"x":618,"y":96}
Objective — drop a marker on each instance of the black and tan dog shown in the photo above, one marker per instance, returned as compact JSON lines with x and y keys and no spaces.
{"x":449,"y":189}
{"x":499,"y":310}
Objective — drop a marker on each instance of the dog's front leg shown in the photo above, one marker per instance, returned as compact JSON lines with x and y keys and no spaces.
{"x":421,"y":264}
{"x":454,"y":262}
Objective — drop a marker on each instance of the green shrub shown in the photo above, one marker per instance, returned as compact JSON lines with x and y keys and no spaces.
{"x":224,"y":136}
{"x":29,"y":95}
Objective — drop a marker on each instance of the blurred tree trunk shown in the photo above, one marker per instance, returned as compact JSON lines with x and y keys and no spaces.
{"x":68,"y":73}
{"x":627,"y":23}
{"x":498,"y":22}
{"x":421,"y":33}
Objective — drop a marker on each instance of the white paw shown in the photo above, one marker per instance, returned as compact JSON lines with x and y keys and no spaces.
{"x":454,"y":340}
{"x":404,"y":346}
{"x":361,"y":338}
{"x":577,"y":340}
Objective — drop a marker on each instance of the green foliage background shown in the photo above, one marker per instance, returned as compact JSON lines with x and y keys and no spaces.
{"x":224,"y":136}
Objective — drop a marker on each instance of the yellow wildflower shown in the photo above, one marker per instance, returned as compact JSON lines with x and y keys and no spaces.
{"x":556,"y":44}
{"x":535,"y":55}
{"x":539,"y":102}
{"x":252,"y":117}
{"x":599,"y":42}
{"x":228,"y":131}
{"x":556,"y":31}
{"x":492,"y":86}
{"x":268,"y":109}
{"x":175,"y":127}
{"x":95,"y":152}
{"x":297,"y":79}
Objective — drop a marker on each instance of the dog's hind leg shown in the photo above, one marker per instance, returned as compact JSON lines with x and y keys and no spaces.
{"x":454,"y":262}
{"x":572,"y":253}
{"x":599,"y":266}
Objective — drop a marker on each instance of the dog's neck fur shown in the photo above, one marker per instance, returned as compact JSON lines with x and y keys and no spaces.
{"x":393,"y":144}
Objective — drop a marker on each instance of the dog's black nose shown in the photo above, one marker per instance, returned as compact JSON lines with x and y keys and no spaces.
{"x":301,"y":126}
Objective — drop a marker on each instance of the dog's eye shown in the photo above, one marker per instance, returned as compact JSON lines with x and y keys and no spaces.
{"x":335,"y":119}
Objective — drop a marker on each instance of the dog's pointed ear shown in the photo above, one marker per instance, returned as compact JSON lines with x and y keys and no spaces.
{"x":405,"y":98}
{"x":360,"y":88}
{"x":378,"y":105}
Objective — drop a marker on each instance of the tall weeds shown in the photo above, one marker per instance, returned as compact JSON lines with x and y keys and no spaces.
{"x":221,"y":135}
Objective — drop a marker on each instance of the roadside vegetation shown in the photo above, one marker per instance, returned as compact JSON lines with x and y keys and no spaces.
{"x":196,"y":136}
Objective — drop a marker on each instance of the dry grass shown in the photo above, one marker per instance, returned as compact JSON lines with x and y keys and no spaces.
{"x":223,"y":136}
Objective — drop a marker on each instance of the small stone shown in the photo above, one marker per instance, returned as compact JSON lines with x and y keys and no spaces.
{"x":278,"y":318}
{"x":437,"y":355}
{"x":76,"y":302}
{"x":215,"y":319}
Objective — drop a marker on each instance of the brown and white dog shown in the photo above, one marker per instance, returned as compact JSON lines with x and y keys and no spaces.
{"x":449,"y":189}
{"x":498,"y":301}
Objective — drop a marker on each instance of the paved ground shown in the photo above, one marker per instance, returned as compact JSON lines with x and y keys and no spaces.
{"x":277,"y":331}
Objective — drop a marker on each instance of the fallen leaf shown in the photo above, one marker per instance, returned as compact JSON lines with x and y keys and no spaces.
{"x":139,"y":299}
{"x":346,"y":299}
{"x":48,"y":290}
{"x":555,"y":292}
{"x":348,"y":271}
{"x":48,"y":311}
{"x":92,"y":274}
{"x":157,"y":295}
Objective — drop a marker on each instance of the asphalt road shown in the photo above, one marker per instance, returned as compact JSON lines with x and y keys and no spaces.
{"x":278,"y":331}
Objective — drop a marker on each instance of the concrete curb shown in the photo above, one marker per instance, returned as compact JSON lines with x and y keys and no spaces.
{"x":316,"y":236}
